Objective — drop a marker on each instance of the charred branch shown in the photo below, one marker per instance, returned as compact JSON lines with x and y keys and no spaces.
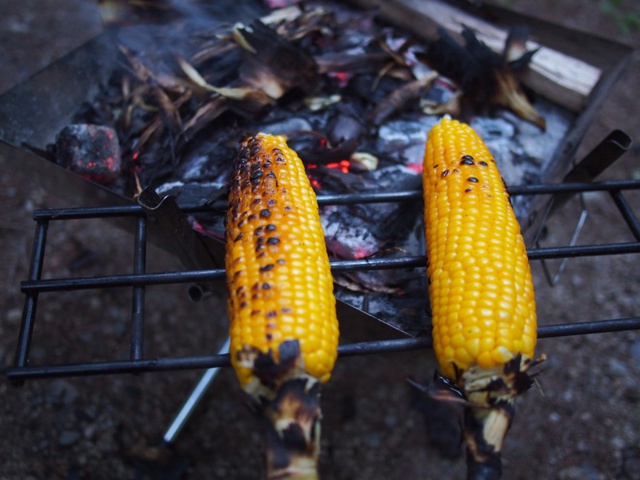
{"x":485,"y":78}
{"x":400,"y":98}
{"x":275,"y":65}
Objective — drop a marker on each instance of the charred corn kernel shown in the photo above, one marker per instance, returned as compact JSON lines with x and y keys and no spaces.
{"x":481,"y":289}
{"x":279,"y":279}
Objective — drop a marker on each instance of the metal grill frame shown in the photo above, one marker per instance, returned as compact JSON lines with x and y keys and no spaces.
{"x":137,"y":281}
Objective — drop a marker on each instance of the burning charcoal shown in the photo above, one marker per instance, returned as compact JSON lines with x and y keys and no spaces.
{"x":333,"y":156}
{"x":374,"y":231}
{"x":89,"y":150}
{"x":348,"y":236}
{"x":403,"y":140}
{"x":314,"y":148}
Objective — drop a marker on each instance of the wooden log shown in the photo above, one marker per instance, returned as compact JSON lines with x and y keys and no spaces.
{"x":563,"y":79}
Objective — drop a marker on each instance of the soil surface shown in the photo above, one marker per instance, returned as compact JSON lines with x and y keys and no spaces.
{"x":582,"y":423}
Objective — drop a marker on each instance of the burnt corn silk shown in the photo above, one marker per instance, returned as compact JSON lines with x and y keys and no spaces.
{"x":283,"y":324}
{"x":481,"y":290}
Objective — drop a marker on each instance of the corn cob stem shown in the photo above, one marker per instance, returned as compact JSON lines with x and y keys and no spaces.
{"x":283,"y":324}
{"x":293,"y":430}
{"x":481,"y":290}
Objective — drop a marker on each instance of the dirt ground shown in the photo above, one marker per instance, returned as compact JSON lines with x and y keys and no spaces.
{"x":583,"y":423}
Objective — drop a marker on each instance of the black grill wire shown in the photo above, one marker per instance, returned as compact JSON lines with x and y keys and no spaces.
{"x":138,"y":280}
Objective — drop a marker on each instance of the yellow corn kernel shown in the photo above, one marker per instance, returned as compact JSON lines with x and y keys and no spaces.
{"x":278,"y":273}
{"x":477,"y":257}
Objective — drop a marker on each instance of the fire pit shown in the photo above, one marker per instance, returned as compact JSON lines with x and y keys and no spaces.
{"x":337,"y":83}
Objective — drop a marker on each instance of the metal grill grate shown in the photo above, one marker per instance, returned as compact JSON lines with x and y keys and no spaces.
{"x":137,"y":363}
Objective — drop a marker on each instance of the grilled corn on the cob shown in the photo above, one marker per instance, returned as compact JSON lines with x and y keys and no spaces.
{"x":481,"y":290}
{"x":283,"y":325}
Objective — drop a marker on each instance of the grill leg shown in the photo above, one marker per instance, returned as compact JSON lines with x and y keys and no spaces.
{"x":192,"y":401}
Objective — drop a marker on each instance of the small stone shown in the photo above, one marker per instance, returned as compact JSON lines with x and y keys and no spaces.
{"x":89,"y":431}
{"x":580,"y":472}
{"x":617,"y":367}
{"x":631,"y":463}
{"x":585,"y":417}
{"x":635,"y":354}
{"x":577,"y":280}
{"x":68,"y":438}
{"x":554,"y":417}
{"x":61,"y":392}
{"x":632,"y":394}
{"x":372,"y":440}
{"x":567,"y":396}
{"x":221,"y":472}
{"x":13,"y":316}
{"x":617,"y":443}
{"x":96,"y":303}
{"x":391,"y":420}
{"x":582,"y":446}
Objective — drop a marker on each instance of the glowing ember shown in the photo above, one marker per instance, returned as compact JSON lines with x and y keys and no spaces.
{"x":342,"y":165}
{"x":416,"y":167}
{"x":198,"y":227}
{"x":89,"y":150}
{"x":360,"y":252}
{"x":342,"y":78}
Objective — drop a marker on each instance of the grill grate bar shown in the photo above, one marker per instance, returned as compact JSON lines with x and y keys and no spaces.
{"x":117,"y":281}
{"x":578,"y":187}
{"x":516,"y":190}
{"x":348,"y":350}
{"x":627,"y":212}
{"x":583,"y":250}
{"x":31,"y":301}
{"x":346,"y":199}
{"x":138,"y":280}
{"x":137,"y":307}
